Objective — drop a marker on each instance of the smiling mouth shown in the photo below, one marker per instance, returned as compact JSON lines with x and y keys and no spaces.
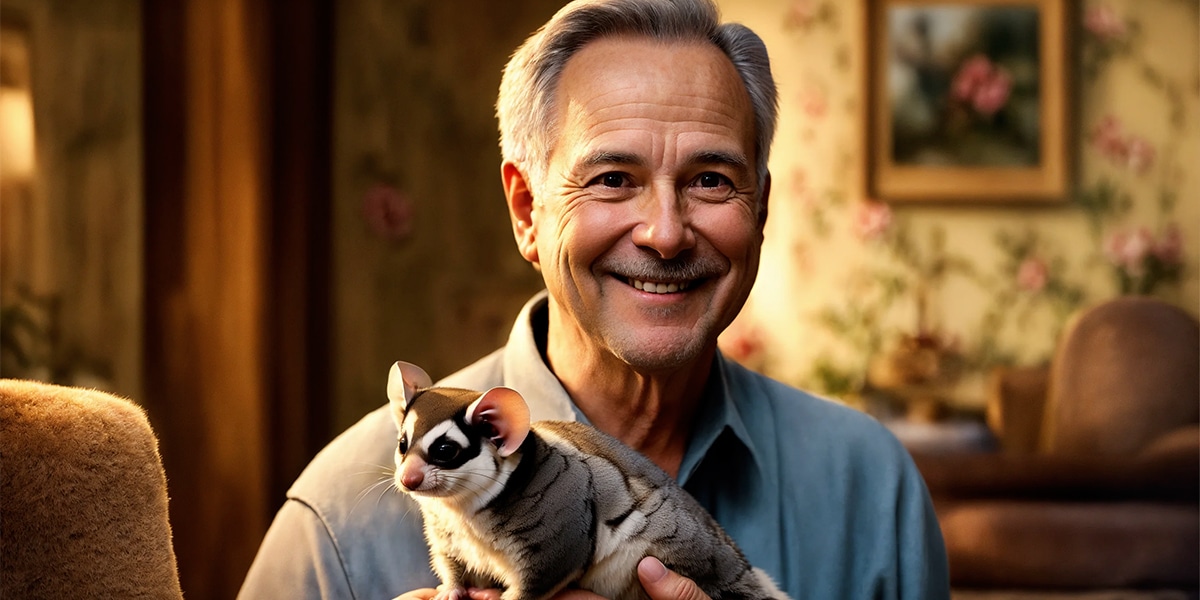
{"x":660,"y":288}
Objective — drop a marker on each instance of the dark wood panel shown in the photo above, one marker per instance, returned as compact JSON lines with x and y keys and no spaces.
{"x":237,"y":153}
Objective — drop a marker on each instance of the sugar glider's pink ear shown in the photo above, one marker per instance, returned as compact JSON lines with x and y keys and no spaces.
{"x":404,"y":379}
{"x":505,"y":410}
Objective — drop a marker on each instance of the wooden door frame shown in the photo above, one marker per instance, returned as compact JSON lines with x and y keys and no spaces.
{"x":237,"y":121}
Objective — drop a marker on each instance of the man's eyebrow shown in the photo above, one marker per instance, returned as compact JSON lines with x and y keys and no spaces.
{"x":717,"y":157}
{"x":609,"y":157}
{"x":703,"y":157}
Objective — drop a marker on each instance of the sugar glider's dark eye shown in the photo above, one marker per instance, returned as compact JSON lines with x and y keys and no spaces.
{"x":403,"y":446}
{"x":444,"y":451}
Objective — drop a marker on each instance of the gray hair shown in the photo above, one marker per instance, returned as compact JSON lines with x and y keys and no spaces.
{"x":525,"y":108}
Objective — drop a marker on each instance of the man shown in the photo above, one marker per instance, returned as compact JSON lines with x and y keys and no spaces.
{"x":635,"y":136}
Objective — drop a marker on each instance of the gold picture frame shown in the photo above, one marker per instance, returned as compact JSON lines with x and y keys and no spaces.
{"x":968,"y":101}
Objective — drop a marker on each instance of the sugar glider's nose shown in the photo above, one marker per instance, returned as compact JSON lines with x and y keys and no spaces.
{"x":412,"y":473}
{"x":412,"y":480}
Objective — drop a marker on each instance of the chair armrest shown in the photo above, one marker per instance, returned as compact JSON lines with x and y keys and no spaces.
{"x":1172,"y":477}
{"x":1016,"y":406}
{"x":1178,"y":445}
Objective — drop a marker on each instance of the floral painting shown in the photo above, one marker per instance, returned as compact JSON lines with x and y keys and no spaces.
{"x":968,"y":100}
{"x":962,"y":84}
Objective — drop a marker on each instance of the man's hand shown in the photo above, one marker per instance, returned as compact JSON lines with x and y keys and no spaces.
{"x":430,"y":593}
{"x":659,"y":582}
{"x":662,"y":583}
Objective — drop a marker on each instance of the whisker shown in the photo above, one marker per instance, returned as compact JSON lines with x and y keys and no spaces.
{"x":387,"y":482}
{"x":462,"y":473}
{"x":391,"y":486}
{"x":474,"y":489}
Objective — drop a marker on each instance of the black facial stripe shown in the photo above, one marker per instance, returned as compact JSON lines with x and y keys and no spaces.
{"x":473,"y":448}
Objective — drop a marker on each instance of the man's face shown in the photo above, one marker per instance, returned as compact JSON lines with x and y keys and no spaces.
{"x":646,"y":227}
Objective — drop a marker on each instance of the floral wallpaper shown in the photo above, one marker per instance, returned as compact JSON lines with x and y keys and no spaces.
{"x":847,"y":279}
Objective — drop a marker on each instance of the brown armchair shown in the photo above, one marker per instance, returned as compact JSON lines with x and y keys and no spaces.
{"x":1095,"y":484}
{"x":83,"y":497}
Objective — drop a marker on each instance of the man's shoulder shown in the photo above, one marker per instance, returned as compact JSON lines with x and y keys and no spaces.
{"x":480,"y":375}
{"x":794,"y":404}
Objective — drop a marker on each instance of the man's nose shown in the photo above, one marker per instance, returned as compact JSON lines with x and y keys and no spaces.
{"x":663,"y":223}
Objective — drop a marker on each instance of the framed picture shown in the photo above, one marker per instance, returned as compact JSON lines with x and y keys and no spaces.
{"x":968,"y":100}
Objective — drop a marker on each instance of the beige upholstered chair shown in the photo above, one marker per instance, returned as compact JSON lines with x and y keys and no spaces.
{"x":1096,"y":483}
{"x":83,"y":497}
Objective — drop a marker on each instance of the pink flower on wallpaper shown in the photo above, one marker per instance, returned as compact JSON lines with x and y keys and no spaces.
{"x":1139,"y":155}
{"x":1128,"y":249}
{"x":1133,"y":152}
{"x":872,"y":220}
{"x":388,"y":212}
{"x":799,"y":180}
{"x":801,"y":13}
{"x":1102,"y":21}
{"x":814,"y":103}
{"x":1109,"y":139}
{"x":1033,"y":274}
{"x":1142,"y":261}
{"x":982,"y":84}
{"x":742,"y":343}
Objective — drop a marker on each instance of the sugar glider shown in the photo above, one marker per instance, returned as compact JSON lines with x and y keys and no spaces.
{"x":531,"y":509}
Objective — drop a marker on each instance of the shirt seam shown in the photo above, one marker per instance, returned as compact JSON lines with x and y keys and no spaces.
{"x":337,"y":547}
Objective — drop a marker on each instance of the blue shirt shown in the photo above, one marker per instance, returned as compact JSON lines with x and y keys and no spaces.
{"x":820,"y":496}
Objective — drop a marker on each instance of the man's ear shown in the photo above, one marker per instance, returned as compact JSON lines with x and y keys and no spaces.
{"x":520,"y":209}
{"x":766,"y":194}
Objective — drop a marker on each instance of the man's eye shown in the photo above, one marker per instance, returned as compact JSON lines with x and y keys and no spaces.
{"x":612,"y":180}
{"x":711,"y":180}
{"x":444,"y":451}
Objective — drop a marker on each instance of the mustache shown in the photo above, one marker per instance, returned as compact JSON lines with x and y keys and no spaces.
{"x":652,"y":268}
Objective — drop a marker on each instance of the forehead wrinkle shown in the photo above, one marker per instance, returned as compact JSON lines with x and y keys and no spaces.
{"x":645,"y":109}
{"x":615,"y":133}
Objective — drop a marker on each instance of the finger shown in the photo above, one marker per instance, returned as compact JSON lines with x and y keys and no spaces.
{"x":661,"y":583}
{"x":483,"y":593}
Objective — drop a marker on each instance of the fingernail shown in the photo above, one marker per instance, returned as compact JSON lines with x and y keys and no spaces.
{"x":652,"y":569}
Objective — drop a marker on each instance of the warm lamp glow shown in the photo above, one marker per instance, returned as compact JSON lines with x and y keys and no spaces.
{"x":17,"y":158}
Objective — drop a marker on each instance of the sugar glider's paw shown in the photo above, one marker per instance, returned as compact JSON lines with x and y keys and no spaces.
{"x":451,"y":593}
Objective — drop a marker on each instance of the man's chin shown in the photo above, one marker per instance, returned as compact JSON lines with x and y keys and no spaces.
{"x":660,"y":350}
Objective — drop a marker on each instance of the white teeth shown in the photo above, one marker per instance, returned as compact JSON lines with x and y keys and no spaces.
{"x":660,"y":288}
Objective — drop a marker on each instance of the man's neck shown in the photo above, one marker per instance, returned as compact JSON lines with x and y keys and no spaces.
{"x":650,"y":412}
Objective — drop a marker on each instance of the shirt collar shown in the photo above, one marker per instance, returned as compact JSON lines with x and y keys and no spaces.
{"x":525,"y":370}
{"x":719,"y":415}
